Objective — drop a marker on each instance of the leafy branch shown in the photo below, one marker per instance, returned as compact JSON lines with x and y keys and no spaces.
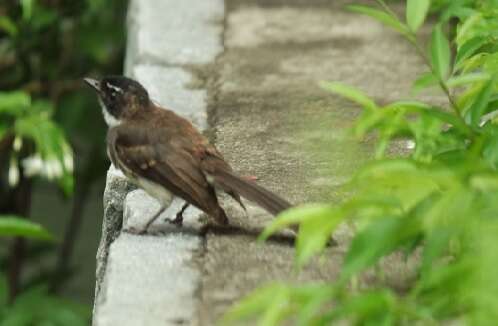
{"x":439,"y":62}
{"x":436,"y":205}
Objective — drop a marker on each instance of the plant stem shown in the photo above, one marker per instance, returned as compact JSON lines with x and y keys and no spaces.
{"x":441,"y":82}
{"x":388,"y":9}
{"x":412,"y":38}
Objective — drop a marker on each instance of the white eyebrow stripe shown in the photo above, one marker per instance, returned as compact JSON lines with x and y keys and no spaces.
{"x":117,"y":89}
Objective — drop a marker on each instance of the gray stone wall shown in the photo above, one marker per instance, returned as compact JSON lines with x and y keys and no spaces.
{"x":152,"y":280}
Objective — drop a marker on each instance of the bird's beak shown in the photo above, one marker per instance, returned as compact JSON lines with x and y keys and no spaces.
{"x":93,"y":83}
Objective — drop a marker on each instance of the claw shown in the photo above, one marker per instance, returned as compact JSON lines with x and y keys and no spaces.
{"x":178,"y":221}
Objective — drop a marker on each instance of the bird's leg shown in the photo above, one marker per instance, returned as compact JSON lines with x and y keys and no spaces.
{"x":178,"y":221}
{"x":149,"y":223}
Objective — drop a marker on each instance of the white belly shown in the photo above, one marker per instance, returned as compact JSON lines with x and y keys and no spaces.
{"x":154,"y":190}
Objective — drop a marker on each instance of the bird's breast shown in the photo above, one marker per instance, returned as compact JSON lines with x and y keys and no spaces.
{"x":164,"y":196}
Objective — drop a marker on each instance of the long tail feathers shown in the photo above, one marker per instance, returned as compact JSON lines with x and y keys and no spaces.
{"x":234,"y":184}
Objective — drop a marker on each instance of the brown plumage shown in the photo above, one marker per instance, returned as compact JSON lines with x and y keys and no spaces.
{"x":152,"y":143}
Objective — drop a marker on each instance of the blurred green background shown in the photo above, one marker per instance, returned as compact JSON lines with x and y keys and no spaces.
{"x":52,"y":157}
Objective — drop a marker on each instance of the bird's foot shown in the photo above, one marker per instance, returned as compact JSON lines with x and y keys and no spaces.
{"x":144,"y":229}
{"x":178,"y":220}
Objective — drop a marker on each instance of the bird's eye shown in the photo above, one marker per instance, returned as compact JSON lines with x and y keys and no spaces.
{"x":114,"y":89}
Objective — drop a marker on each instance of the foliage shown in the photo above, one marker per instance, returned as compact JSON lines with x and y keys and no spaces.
{"x":440,"y":200}
{"x":32,"y":122}
{"x":37,"y":306}
{"x":17,"y":226}
{"x":46,"y":118}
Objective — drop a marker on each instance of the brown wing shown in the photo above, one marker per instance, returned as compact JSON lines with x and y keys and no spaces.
{"x":170,"y":160}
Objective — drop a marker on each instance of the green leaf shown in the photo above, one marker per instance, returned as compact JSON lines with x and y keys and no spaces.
{"x":456,"y":10}
{"x":466,"y":97}
{"x":14,"y":103}
{"x":312,"y":299}
{"x":368,"y":308}
{"x":480,"y":104}
{"x":468,"y":49}
{"x":66,"y":183}
{"x":452,"y":120}
{"x":440,"y":53}
{"x":8,"y":26}
{"x":435,"y":112}
{"x":368,"y":121}
{"x":416,"y":11}
{"x":410,"y":105}
{"x":261,"y":302}
{"x":276,"y":311}
{"x":27,"y":8}
{"x":491,"y":64}
{"x":486,"y":183}
{"x":382,"y":169}
{"x":295,"y":215}
{"x":467,"y":79}
{"x":350,"y":93}
{"x":452,"y":207}
{"x":36,"y":306}
{"x":11,"y":225}
{"x":42,"y":107}
{"x":435,"y":246}
{"x":51,"y":146}
{"x":379,"y":238}
{"x":315,"y":232}
{"x":466,"y":29}
{"x":96,"y":5}
{"x":424,"y":81}
{"x":384,"y":18}
{"x":475,"y":62}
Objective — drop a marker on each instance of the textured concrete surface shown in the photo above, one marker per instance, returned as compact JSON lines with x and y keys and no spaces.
{"x":115,"y":192}
{"x":149,"y":286}
{"x":138,"y":205}
{"x":273,"y":121}
{"x":170,"y":87}
{"x":174,"y":32}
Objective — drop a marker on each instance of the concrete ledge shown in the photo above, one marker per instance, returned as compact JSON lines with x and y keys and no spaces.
{"x":138,"y":205}
{"x":138,"y":281}
{"x":175,"y":32}
{"x":134,"y":273}
{"x":115,"y":192}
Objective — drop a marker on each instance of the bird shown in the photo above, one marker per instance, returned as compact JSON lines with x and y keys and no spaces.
{"x":165,"y":155}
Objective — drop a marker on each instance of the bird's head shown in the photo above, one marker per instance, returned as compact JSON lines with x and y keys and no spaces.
{"x":120,"y":97}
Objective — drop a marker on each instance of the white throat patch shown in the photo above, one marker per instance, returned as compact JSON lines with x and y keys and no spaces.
{"x":109,"y":119}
